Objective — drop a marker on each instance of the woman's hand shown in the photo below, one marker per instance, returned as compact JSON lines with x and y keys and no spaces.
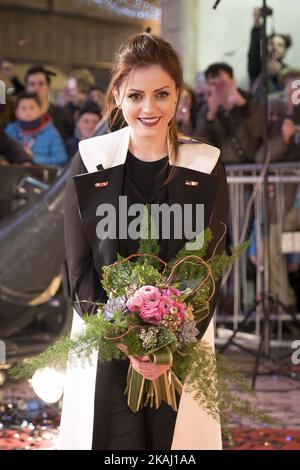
{"x":144,"y":366}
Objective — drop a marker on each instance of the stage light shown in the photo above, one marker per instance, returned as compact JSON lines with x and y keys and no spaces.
{"x":48,"y":384}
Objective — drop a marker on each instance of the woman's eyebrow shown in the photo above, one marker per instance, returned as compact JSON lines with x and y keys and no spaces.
{"x":141,"y":91}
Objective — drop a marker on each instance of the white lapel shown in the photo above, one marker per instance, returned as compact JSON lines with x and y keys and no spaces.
{"x":111,"y":149}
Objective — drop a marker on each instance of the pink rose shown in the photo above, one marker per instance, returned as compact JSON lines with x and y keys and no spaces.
{"x":135,"y":303}
{"x":152,"y":300}
{"x":171,"y":291}
{"x":151,"y":315}
{"x":151,"y":296}
{"x":148,"y":291}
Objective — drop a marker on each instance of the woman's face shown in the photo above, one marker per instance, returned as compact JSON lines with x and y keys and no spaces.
{"x":186,"y":100}
{"x":148,"y":99}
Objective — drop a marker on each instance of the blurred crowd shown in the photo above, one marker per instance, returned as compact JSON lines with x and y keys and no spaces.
{"x":36,"y":130}
{"x":215,"y":110}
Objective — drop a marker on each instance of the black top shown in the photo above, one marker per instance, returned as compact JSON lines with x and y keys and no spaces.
{"x":143,"y":184}
{"x":145,"y":179}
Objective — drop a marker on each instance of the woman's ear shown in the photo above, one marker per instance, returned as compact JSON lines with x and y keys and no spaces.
{"x":117,"y":98}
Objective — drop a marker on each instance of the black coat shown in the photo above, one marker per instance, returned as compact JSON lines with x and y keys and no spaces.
{"x":86,"y":255}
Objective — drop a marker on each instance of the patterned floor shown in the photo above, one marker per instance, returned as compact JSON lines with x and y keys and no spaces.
{"x":27,"y":423}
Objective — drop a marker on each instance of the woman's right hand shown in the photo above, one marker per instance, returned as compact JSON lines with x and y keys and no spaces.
{"x":143,"y":365}
{"x":146,"y":368}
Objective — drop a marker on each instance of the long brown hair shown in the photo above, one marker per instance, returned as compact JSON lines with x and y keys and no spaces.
{"x":140,"y":50}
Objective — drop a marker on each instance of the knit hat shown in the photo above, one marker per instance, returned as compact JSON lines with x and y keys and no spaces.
{"x":90,"y":107}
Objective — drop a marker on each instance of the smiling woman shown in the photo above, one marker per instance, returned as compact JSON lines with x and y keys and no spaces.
{"x":146,"y":84}
{"x":148,"y":111}
{"x":149,"y":162}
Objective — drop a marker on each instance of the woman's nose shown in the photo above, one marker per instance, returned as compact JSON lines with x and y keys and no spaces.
{"x":148,"y":105}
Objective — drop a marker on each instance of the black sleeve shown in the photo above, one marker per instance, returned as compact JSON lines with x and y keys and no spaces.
{"x":218,"y":220}
{"x":62,"y":120}
{"x":12,"y":150}
{"x":254,"y":59}
{"x":83,"y":279}
{"x":18,"y":86}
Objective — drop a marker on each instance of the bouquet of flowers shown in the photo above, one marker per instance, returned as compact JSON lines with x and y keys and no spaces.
{"x":155,"y":309}
{"x":149,"y":315}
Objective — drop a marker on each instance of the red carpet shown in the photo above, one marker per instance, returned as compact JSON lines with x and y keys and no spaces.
{"x":265,"y":439}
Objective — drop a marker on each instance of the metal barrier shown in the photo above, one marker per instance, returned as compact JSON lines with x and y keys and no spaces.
{"x":246,"y":189}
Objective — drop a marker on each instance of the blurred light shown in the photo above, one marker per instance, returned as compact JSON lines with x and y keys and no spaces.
{"x":48,"y":384}
{"x":2,"y":377}
{"x":140,"y":9}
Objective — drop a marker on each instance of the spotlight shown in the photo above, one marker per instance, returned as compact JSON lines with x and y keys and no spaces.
{"x":48,"y":384}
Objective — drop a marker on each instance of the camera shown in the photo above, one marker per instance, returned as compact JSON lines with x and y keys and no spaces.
{"x":266,"y":11}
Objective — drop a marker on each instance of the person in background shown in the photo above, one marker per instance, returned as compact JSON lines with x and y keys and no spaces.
{"x":231,"y":119}
{"x":284,"y":123}
{"x":87,"y":120}
{"x":284,"y":146}
{"x":186,"y":112}
{"x":72,"y":98}
{"x":38,"y":80}
{"x":277,"y":46}
{"x":201,"y":90}
{"x":35,"y":132}
{"x":96,"y":94}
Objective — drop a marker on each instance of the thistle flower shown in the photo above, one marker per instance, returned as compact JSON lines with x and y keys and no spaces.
{"x":114,"y":305}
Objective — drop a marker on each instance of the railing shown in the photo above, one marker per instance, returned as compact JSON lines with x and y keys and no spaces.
{"x":246,"y":202}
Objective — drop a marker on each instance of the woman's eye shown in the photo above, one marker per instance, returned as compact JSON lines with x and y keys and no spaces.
{"x":163,"y":94}
{"x":137,"y":96}
{"x":134,"y":96}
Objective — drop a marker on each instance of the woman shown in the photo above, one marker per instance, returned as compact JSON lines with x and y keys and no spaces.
{"x":148,"y":162}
